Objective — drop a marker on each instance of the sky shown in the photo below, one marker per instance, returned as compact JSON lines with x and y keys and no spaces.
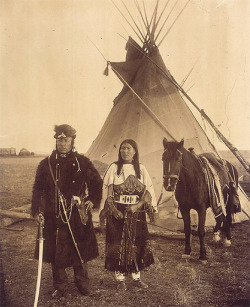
{"x":53,"y":54}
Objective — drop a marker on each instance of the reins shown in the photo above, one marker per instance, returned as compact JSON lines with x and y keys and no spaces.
{"x":137,"y":220}
{"x":177,"y":176}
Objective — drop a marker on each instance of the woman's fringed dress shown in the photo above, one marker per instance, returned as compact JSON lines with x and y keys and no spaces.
{"x":128,"y":247}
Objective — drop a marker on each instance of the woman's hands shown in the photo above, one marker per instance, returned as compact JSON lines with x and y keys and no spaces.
{"x":111,"y":208}
{"x":118,"y":215}
{"x":134,"y":208}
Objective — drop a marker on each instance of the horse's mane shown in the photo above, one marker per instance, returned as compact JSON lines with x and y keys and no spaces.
{"x":190,"y":162}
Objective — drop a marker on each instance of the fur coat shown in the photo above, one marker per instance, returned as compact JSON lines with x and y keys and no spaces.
{"x":76,"y":176}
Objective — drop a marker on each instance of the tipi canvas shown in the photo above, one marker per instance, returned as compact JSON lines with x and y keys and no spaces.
{"x":149,"y":108}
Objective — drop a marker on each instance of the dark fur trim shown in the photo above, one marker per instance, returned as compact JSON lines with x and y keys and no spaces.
{"x":73,"y":181}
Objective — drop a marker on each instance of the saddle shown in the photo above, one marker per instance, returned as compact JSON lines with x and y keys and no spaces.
{"x":217,"y":179}
{"x":216,"y":183}
{"x":229,"y":181}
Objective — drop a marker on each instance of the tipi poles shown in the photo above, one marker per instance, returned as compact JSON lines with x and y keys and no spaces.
{"x":166,"y":19}
{"x":234,"y":150}
{"x":128,"y":22}
{"x":133,"y":19}
{"x":154,"y":23}
{"x":148,"y":24}
{"x":144,"y":22}
{"x":142,"y":29}
{"x":173,"y":23}
{"x":161,"y":15}
{"x":189,"y":73}
{"x":153,"y":115}
{"x":172,"y":80}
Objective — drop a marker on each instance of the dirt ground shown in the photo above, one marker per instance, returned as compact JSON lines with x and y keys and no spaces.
{"x":222,"y":281}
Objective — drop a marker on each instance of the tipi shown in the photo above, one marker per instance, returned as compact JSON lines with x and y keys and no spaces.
{"x":149,"y":108}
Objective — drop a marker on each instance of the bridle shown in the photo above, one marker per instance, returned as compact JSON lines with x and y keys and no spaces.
{"x":167,"y":173}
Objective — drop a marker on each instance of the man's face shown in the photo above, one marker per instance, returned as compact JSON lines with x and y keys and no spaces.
{"x":64,"y":144}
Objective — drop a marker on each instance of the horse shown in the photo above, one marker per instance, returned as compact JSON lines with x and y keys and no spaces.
{"x":184,"y":174}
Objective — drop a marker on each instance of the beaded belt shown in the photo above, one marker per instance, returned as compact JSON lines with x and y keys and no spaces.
{"x":128,"y":199}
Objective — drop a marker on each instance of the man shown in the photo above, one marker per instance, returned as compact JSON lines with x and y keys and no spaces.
{"x":66,"y":188}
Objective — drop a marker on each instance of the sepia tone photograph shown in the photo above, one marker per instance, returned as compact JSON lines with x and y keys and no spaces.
{"x":124,"y":153}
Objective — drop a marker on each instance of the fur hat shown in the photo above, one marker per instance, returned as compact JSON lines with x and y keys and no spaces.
{"x":64,"y":131}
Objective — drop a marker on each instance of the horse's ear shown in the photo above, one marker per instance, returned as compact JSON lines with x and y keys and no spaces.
{"x":180,"y":145}
{"x":165,"y":142}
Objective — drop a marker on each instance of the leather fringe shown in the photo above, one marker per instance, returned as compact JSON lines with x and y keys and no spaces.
{"x":106,"y":71}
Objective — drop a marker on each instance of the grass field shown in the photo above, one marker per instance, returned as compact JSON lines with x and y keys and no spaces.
{"x":222,"y":281}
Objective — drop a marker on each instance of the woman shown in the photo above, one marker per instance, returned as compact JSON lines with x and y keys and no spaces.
{"x":128,"y":193}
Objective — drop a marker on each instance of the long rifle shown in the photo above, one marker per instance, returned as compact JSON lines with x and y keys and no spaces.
{"x":40,"y":259}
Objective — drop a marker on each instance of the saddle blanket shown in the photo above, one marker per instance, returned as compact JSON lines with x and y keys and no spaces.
{"x":215,"y":189}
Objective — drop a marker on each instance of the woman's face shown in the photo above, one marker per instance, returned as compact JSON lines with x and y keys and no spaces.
{"x":127,"y":152}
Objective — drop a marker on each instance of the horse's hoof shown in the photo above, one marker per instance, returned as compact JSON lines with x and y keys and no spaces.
{"x":217,"y":237}
{"x":185,"y":256}
{"x":227,"y":243}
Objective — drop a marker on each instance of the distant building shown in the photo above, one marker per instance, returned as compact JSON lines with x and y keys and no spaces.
{"x":8,"y":151}
{"x":24,"y":152}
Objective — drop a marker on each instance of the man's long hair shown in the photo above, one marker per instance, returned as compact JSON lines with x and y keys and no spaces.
{"x":135,"y":161}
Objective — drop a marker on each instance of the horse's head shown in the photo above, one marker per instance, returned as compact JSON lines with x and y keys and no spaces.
{"x":172,"y":161}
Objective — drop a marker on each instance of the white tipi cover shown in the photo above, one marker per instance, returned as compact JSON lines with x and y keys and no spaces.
{"x":165,"y":115}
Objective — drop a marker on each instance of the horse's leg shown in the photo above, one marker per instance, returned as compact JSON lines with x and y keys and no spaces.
{"x":217,"y":231}
{"x":227,"y":226}
{"x":187,"y":229}
{"x":227,"y":233}
{"x":217,"y":226}
{"x":201,"y":233}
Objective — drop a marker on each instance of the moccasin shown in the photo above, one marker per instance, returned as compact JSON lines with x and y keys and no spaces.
{"x":83,"y":290}
{"x":121,"y":286}
{"x":140,"y":284}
